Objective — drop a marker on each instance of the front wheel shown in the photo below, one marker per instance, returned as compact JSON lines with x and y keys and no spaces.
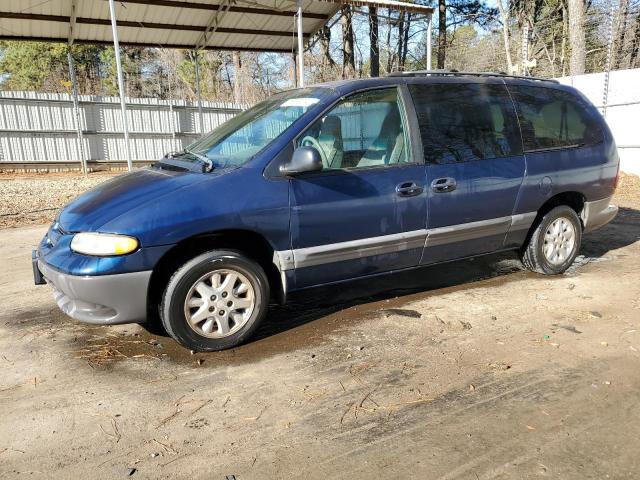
{"x":554,"y":243}
{"x":215,"y":301}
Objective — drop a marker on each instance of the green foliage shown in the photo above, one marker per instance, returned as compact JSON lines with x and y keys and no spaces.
{"x":43,"y":66}
{"x":26,"y":65}
{"x":187,"y":71}
{"x":135,"y":63}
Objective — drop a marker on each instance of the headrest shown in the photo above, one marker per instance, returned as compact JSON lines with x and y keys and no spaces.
{"x":391,"y":124}
{"x":331,"y":125}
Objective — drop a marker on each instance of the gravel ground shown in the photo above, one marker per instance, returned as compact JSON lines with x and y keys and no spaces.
{"x":35,"y":199}
{"x":628,"y":187}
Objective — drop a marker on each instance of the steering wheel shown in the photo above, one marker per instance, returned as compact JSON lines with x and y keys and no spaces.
{"x":310,"y":141}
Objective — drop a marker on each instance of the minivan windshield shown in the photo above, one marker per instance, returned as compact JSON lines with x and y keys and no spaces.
{"x":236,"y":141}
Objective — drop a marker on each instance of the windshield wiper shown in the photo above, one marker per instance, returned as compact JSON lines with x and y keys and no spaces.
{"x":203,"y":158}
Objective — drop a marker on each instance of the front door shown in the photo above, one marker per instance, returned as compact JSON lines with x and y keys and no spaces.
{"x":473,"y":151}
{"x":365,"y":212}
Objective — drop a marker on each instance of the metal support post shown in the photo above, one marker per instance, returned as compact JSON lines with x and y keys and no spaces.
{"x":429,"y":40}
{"x":123,"y":105}
{"x":525,"y":49}
{"x":300,"y":46}
{"x":76,"y":109}
{"x":198,"y":97}
{"x":607,"y":69}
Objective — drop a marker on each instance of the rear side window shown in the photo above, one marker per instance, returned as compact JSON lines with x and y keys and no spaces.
{"x":552,"y":119}
{"x":465,"y":122}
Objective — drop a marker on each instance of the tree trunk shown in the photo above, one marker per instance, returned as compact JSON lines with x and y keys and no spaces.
{"x":237,"y":78}
{"x":293,"y":70}
{"x":401,"y":27}
{"x":325,"y":42}
{"x":576,"y":37}
{"x":622,"y":33}
{"x":349,"y":58}
{"x":563,"y":46}
{"x":442,"y":32}
{"x":374,"y":49}
{"x":635,"y":44}
{"x":229,"y":81}
{"x":505,"y":36}
{"x":407,"y":25}
{"x":389,"y":54}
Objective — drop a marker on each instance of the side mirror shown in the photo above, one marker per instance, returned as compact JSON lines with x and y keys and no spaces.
{"x":303,"y":160}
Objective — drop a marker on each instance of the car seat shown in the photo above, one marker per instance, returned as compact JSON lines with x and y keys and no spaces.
{"x":330,"y":140}
{"x":388,"y":147}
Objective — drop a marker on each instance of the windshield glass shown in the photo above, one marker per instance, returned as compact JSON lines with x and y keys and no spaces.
{"x":239,"y":139}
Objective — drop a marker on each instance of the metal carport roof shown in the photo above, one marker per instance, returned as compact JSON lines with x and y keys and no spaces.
{"x":251,"y":25}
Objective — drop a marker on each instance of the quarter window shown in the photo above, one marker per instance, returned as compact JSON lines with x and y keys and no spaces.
{"x":551,"y":118}
{"x":365,"y":130}
{"x":465,"y":122}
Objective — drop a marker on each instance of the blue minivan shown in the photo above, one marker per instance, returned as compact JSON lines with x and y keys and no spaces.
{"x":329,"y":183}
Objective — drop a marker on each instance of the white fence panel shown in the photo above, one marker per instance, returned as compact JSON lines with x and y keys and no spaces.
{"x":40,"y":127}
{"x":622,"y":111}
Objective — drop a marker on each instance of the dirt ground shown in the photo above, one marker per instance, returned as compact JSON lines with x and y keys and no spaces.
{"x":470,"y":370}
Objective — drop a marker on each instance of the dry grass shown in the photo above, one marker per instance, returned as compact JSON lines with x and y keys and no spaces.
{"x":101,"y":350}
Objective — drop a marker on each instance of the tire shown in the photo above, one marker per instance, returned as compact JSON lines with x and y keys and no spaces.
{"x":218,"y":301}
{"x":549,"y":250}
{"x":154,"y":326}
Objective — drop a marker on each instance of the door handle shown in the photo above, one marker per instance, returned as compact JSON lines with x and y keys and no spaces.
{"x":443,"y":185}
{"x":408,"y":189}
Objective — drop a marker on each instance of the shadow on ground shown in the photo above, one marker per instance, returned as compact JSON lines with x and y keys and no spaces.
{"x":313,"y":304}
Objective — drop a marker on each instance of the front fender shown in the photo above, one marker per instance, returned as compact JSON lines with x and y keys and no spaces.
{"x":240,"y":200}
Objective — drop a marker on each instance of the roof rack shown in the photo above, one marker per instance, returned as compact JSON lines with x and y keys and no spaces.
{"x":455,"y":73}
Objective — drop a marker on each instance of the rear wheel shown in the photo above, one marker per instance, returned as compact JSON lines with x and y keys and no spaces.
{"x":554,"y":243}
{"x":215,"y":301}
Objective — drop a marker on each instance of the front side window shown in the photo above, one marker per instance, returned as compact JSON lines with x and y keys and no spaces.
{"x":363,"y":131}
{"x":465,"y":122}
{"x":552,"y":118}
{"x":239,"y":139}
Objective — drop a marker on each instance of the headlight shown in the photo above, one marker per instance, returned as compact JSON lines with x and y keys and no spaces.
{"x":103,"y":244}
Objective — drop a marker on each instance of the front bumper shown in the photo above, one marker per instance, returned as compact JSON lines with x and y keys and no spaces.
{"x":101,"y":299}
{"x":598,"y":213}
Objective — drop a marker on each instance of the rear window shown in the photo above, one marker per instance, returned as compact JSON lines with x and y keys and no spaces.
{"x":465,"y":122}
{"x":552,"y":119}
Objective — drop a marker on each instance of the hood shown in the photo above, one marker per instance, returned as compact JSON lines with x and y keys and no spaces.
{"x":113,"y":198}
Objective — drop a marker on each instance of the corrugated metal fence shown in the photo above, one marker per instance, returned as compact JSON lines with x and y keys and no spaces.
{"x":621,"y":110}
{"x":40,"y":127}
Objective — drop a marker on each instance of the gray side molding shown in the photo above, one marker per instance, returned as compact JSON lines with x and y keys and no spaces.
{"x":283,"y":260}
{"x":468,"y":231}
{"x":366,"y":247}
{"x":398,"y":242}
{"x":522,"y":221}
